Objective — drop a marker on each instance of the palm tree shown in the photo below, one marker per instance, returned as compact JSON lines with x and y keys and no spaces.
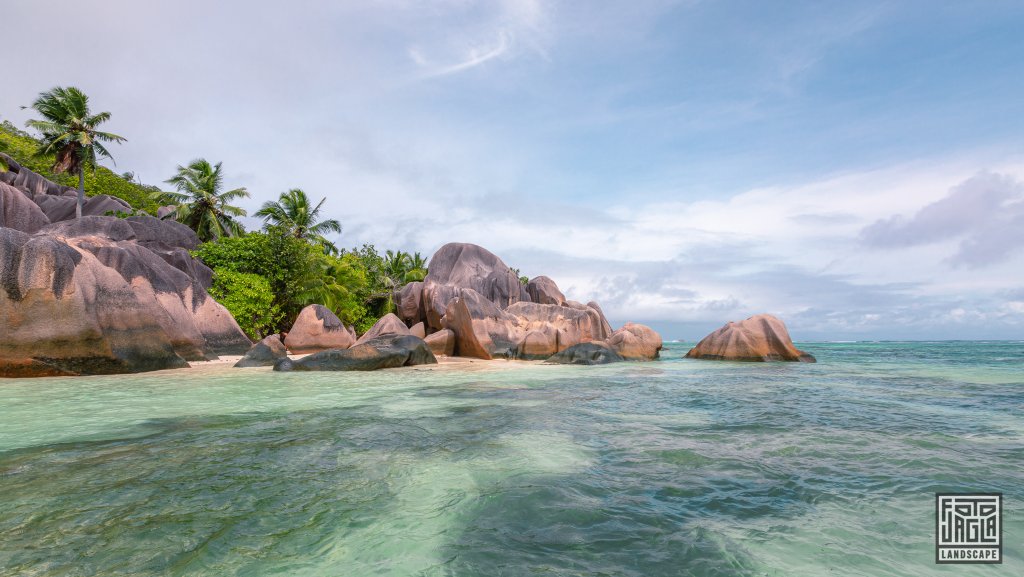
{"x":416,"y":268}
{"x":292,"y":212}
{"x":202,"y":206}
{"x":69,"y":133}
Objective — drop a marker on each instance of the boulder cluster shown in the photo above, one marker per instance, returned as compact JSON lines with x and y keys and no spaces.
{"x":471,"y":304}
{"x":477,"y":306}
{"x":100,"y":294}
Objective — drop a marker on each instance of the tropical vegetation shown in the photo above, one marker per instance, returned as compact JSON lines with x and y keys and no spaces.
{"x":264,"y":278}
{"x":202,"y":203}
{"x":70,"y":135}
{"x":293,"y":213}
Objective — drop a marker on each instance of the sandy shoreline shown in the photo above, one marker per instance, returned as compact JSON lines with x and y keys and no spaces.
{"x":443,"y":364}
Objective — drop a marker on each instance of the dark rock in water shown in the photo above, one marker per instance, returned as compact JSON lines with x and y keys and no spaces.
{"x":384,"y":352}
{"x":265,"y":353}
{"x":317,"y":329}
{"x":586,"y":354}
{"x":759,"y":338}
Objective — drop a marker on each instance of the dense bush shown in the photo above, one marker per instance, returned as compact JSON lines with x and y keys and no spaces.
{"x":21,"y":147}
{"x":249,"y":299}
{"x":298,"y":274}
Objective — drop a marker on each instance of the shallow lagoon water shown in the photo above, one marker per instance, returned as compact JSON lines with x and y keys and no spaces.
{"x":670,"y":468}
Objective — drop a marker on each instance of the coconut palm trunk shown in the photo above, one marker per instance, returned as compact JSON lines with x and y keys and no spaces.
{"x":81,"y":192}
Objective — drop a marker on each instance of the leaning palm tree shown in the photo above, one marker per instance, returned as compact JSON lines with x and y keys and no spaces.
{"x":69,"y":133}
{"x":292,"y":212}
{"x":201,"y":204}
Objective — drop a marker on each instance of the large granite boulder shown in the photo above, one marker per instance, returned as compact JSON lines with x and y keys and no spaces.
{"x":759,"y":338}
{"x":17,"y":211}
{"x":419,"y":330}
{"x":384,"y":352}
{"x":30,"y":183}
{"x":523,"y":330}
{"x":441,"y":343}
{"x":586,"y":354}
{"x":317,"y":329}
{"x":544,"y":291}
{"x":636,"y":342}
{"x":409,"y":302}
{"x":388,"y":324}
{"x":571,"y":324}
{"x":75,"y":301}
{"x":457,"y":266}
{"x":100,"y":294}
{"x":265,"y":353}
{"x":58,"y":208}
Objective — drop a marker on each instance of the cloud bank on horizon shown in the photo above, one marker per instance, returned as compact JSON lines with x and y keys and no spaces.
{"x":853,"y":168}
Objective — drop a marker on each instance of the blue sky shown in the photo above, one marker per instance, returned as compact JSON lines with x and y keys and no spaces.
{"x":854,"y":168}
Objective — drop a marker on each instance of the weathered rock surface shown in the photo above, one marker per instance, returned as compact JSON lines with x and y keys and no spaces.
{"x":442,"y":342}
{"x":89,"y":297}
{"x":636,"y":342}
{"x":586,"y":354}
{"x":385,"y":352}
{"x":410,"y":303}
{"x":17,"y":211}
{"x":388,"y":324}
{"x":474,"y":294}
{"x":265,"y":353}
{"x":418,"y":330}
{"x":317,"y":329}
{"x":458,"y":266}
{"x":759,"y":338}
{"x":544,"y":291}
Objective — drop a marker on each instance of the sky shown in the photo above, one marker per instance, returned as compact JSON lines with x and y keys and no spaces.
{"x":855,"y":168}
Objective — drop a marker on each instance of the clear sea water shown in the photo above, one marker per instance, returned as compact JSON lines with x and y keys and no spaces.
{"x":676,"y":467}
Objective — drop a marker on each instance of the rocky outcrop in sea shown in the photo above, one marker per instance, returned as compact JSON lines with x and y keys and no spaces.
{"x":759,"y":338}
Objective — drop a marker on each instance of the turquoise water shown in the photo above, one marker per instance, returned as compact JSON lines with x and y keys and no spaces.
{"x":671,"y":468}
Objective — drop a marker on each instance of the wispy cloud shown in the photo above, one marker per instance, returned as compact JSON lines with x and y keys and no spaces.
{"x":473,"y":57}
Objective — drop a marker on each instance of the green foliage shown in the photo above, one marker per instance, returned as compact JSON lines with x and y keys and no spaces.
{"x":298,"y":273}
{"x":292,"y":212}
{"x":22,"y":147}
{"x":249,"y":299}
{"x":202,"y":202}
{"x":69,"y":133}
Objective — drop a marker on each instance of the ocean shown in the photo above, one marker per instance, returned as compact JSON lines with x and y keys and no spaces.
{"x":675,"y":467}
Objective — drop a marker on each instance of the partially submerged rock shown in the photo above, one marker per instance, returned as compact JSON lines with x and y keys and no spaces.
{"x":385,"y":352}
{"x":759,"y":338}
{"x":317,"y":329}
{"x":636,"y":342}
{"x":586,"y":354}
{"x":265,"y":353}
